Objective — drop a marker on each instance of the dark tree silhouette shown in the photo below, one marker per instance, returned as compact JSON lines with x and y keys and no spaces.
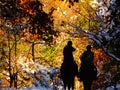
{"x":39,"y":22}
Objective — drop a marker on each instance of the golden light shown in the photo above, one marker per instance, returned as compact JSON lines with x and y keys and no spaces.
{"x":26,"y":5}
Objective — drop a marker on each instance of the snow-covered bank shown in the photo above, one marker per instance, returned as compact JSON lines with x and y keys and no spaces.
{"x":45,"y":77}
{"x":60,"y":88}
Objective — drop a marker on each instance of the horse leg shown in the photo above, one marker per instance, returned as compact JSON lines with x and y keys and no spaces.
{"x":69,"y":84}
{"x":65,"y":85}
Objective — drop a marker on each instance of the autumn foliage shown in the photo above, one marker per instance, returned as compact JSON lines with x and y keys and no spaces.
{"x":39,"y":29}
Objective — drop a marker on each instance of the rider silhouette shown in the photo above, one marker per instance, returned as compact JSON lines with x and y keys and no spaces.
{"x":68,"y":68}
{"x":87,"y":71}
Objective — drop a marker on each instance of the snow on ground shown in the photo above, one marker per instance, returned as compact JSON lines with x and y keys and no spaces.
{"x":49,"y":74}
{"x":112,"y":88}
{"x":38,"y":88}
{"x":43,"y":88}
{"x":35,"y":88}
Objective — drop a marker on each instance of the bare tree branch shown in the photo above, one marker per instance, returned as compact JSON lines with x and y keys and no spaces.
{"x":97,"y":39}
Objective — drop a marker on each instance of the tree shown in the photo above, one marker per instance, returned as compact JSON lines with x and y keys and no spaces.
{"x":30,"y":13}
{"x":17,"y":16}
{"x":109,"y":16}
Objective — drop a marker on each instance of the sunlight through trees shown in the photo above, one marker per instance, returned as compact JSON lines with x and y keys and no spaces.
{"x":34,"y":32}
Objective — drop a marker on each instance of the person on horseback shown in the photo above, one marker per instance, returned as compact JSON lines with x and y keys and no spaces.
{"x":69,"y":67}
{"x":88,"y":71}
